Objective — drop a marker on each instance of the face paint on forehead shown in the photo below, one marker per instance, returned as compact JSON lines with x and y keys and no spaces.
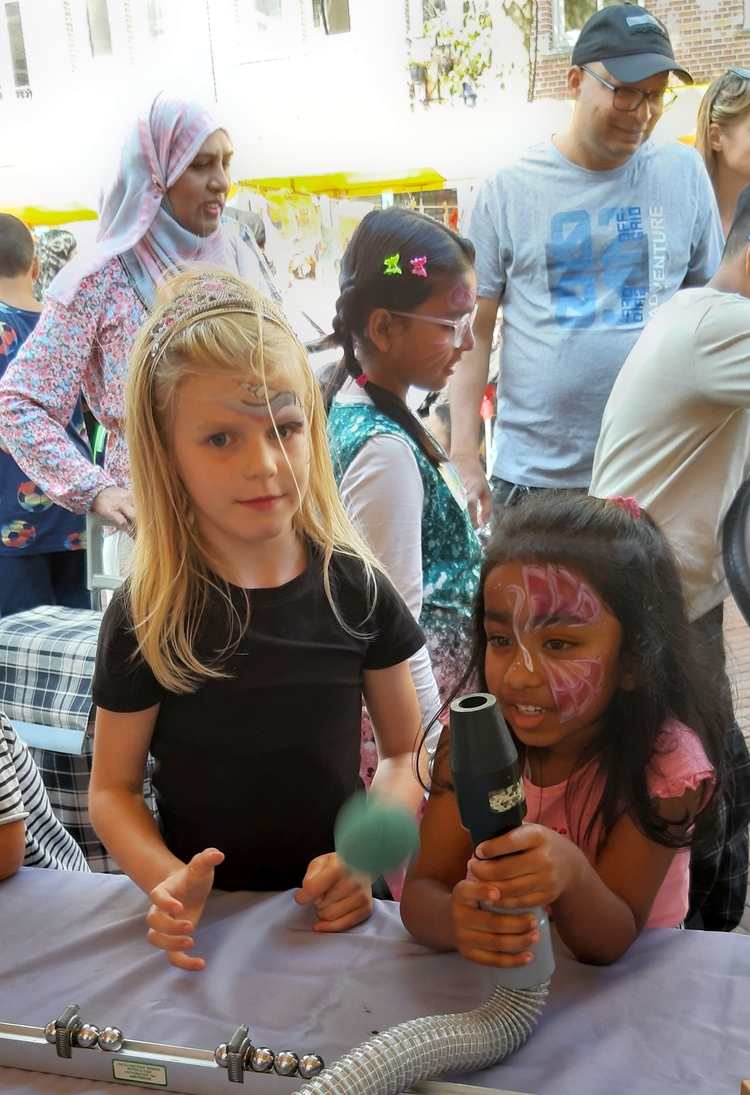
{"x":260,"y":403}
{"x":557,"y":593}
{"x":460,"y":296}
{"x":518,"y":603}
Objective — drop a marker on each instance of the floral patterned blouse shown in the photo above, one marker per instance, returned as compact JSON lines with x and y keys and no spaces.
{"x":81,"y":347}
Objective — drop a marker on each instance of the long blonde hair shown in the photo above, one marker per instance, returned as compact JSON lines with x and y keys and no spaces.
{"x":725,"y":102}
{"x":191,"y":335}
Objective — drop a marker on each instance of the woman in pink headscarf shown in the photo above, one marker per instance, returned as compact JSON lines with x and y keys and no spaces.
{"x":162,"y":212}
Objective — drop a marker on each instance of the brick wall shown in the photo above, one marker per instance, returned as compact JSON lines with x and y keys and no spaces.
{"x":707,"y":35}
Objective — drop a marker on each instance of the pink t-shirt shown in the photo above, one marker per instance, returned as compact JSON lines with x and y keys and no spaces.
{"x":680,"y":764}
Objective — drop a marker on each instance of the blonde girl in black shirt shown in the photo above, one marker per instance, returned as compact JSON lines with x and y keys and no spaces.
{"x":238,"y":651}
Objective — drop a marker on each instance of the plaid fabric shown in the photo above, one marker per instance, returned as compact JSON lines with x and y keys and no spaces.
{"x":67,"y":781}
{"x":46,"y":664}
{"x":719,"y":865}
{"x":718,"y":870}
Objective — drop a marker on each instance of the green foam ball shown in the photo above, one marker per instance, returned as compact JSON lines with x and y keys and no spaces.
{"x":372,"y":836}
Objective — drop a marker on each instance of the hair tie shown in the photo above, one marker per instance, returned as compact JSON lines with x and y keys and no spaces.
{"x":361,"y":380}
{"x":418,"y":266}
{"x":627,"y":505}
{"x":391,"y":264}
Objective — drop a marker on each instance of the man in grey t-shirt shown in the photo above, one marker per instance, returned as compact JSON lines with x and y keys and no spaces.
{"x":580,"y":240}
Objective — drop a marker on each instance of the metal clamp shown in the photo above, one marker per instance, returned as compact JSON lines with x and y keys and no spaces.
{"x":239,"y":1055}
{"x":61,"y":1031}
{"x":69,"y":1030}
{"x":235,"y":1055}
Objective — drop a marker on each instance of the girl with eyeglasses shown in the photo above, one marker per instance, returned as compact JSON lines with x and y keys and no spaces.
{"x":723,"y":138}
{"x":405,"y":317}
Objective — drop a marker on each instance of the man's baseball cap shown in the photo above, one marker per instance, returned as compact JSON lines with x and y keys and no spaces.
{"x":631,"y":43}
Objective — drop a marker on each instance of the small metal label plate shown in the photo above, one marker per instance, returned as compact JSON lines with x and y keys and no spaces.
{"x":138,"y":1072}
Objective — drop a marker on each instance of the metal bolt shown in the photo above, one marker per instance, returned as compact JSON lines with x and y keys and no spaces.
{"x":310,"y":1065}
{"x":111,"y":1039}
{"x":286,"y":1063}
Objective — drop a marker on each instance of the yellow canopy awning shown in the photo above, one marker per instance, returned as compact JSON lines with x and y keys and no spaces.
{"x":348,"y":184}
{"x":44,"y":215}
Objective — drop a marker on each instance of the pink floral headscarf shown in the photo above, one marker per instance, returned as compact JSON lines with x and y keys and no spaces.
{"x":136,"y":219}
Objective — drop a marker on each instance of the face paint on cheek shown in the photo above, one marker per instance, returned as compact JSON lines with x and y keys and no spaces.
{"x":575,"y":684}
{"x":434,"y":358}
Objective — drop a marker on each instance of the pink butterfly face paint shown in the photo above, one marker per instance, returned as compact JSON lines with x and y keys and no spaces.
{"x":550,"y":595}
{"x":550,"y":622}
{"x":461,"y":297}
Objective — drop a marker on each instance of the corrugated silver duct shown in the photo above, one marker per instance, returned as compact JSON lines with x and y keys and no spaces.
{"x":421,"y":1048}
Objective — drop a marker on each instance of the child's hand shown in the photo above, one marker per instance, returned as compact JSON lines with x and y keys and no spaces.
{"x":535,"y":866}
{"x":177,"y":907}
{"x":341,"y":899}
{"x":486,"y":937}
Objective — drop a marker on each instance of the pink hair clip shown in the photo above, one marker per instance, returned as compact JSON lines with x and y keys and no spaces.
{"x":158,"y":184}
{"x":628,"y":505}
{"x":418,"y":266}
{"x":361,"y":380}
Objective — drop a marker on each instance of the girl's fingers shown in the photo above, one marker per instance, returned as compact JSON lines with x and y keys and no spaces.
{"x":332,"y":910}
{"x":166,"y":942}
{"x":509,"y":939}
{"x":527,"y":900}
{"x":470,"y":893}
{"x":203,"y":863}
{"x":494,"y":923}
{"x":345,"y":914}
{"x":498,"y":960}
{"x":160,"y":921}
{"x":183,"y":962}
{"x":343,"y":890}
{"x":322,"y":875}
{"x":163,"y":900}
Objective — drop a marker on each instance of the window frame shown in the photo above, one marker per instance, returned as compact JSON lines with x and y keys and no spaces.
{"x":561,"y":41}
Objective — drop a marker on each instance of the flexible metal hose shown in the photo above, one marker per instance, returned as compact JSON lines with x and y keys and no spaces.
{"x":414,"y":1051}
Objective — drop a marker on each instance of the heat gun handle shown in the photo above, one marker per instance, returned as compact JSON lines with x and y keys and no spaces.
{"x":543,"y":966}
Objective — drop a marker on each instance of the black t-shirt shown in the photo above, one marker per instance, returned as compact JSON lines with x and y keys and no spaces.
{"x":259,"y":763}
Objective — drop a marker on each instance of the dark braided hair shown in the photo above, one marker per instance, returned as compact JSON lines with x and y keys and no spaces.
{"x":364,"y":287}
{"x":629,"y":563}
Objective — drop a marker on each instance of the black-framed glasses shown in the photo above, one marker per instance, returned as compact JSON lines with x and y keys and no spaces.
{"x":461,"y":326}
{"x":741,"y":72}
{"x":630,"y":98}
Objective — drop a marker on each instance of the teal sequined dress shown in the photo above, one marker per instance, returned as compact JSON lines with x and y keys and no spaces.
{"x":451,"y":553}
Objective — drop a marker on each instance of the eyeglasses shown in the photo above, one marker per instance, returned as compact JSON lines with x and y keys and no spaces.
{"x":630,"y":98}
{"x":741,"y":72}
{"x":461,"y":326}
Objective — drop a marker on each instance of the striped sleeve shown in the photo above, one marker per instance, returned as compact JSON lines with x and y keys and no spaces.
{"x":11,"y":799}
{"x":48,"y":843}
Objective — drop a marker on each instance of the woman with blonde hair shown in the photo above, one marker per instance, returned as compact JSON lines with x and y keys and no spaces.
{"x":723,"y":138}
{"x":254,"y":621}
